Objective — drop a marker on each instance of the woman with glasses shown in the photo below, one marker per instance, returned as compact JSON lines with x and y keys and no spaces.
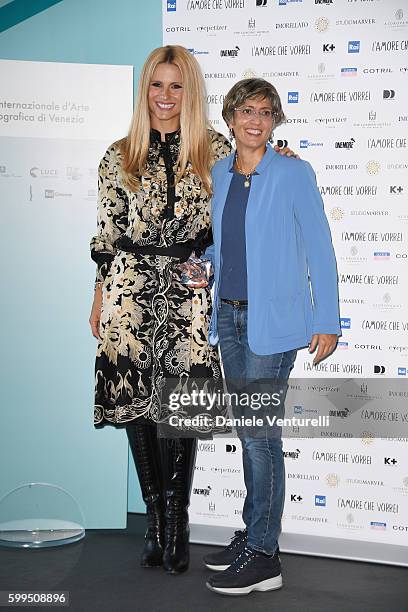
{"x":275,"y":291}
{"x":150,"y":320}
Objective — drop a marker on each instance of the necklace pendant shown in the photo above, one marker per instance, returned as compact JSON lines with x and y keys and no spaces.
{"x":246,"y":183}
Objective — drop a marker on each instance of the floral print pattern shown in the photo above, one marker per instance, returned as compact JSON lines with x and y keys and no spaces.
{"x":153,"y":328}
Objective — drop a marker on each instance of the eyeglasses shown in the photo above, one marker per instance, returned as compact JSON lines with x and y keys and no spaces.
{"x":248,"y":112}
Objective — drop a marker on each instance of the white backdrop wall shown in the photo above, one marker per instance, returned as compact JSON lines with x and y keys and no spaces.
{"x":56,"y":120}
{"x":340,"y":67}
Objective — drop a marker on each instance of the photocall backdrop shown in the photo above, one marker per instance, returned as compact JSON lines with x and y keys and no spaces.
{"x":56,"y":120}
{"x":340,"y":67}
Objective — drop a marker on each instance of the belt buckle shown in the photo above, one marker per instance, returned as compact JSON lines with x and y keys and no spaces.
{"x":235,"y":302}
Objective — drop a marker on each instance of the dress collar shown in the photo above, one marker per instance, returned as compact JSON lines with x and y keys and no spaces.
{"x":170,"y":137}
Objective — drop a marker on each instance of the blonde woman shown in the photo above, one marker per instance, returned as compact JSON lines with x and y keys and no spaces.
{"x":153,"y":213}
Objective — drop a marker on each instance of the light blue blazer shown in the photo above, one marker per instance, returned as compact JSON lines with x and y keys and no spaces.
{"x":291,"y":266}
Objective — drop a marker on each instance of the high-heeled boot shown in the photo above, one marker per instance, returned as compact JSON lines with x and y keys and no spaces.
{"x":143,"y":443}
{"x":178,"y":459}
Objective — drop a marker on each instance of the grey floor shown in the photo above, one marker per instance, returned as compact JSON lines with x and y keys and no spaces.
{"x":102,"y":574}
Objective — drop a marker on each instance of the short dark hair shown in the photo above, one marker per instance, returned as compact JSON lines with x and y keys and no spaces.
{"x":248,"y":89}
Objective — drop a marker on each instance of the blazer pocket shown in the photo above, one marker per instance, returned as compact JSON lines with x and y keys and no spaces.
{"x":286,"y":316}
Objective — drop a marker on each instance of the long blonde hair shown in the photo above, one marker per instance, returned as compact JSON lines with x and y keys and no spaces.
{"x":194,"y":137}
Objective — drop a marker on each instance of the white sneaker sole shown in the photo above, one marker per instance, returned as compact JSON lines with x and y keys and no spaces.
{"x":271,"y":584}
{"x":216,"y":568}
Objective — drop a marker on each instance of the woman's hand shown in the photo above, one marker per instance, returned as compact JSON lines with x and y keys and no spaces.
{"x":325,"y":343}
{"x":286,"y":152}
{"x":95,"y":317}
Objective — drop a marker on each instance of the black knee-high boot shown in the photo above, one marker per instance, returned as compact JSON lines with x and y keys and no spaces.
{"x":178,"y":459}
{"x":145,"y":450}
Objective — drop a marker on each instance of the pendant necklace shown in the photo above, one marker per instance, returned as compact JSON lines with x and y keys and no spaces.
{"x":248,"y":175}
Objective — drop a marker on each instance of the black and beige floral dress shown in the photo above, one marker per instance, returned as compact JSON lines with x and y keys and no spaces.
{"x":153,"y":327}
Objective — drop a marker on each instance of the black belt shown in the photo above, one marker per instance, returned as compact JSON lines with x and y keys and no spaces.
{"x":178,"y":251}
{"x":235,"y":302}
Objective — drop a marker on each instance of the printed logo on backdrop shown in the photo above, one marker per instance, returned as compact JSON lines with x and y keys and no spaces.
{"x":353,"y":46}
{"x":309,"y":519}
{"x":389,"y":94}
{"x":294,"y":454}
{"x":332,"y":480}
{"x":211,"y":29}
{"x":220,"y":75}
{"x":43,"y":173}
{"x":206,"y":447}
{"x":321,"y":74}
{"x":177,"y":29}
{"x":286,"y":2}
{"x":291,"y":25}
{"x":365,"y":482}
{"x":398,"y":21}
{"x":402,"y":489}
{"x":363,"y":214}
{"x":198,"y":51}
{"x":350,"y":523}
{"x":389,"y":46}
{"x":205,"y":491}
{"x":323,"y":97}
{"x":52,"y":193}
{"x":302,"y":476}
{"x":214,"y":5}
{"x":331,"y":121}
{"x":357,"y":21}
{"x":348,"y":71}
{"x":344,"y":144}
{"x":400,"y":527}
{"x":396,"y":189}
{"x":293,"y":97}
{"x":6,"y":172}
{"x":322,"y":24}
{"x":281,"y":50}
{"x":337,"y":213}
{"x":233,"y":53}
{"x":74,"y":173}
{"x":249,"y":73}
{"x":320,"y":500}
{"x":225,"y":471}
{"x":342,"y":457}
{"x":372,"y":122}
{"x":368,"y":505}
{"x":387,"y":304}
{"x":252,"y":29}
{"x":373,"y":167}
{"x":305,"y":144}
{"x":234,"y":493}
{"x":376,"y":71}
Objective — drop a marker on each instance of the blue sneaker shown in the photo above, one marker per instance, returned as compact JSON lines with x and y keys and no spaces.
{"x":251,"y":571}
{"x":221,"y":560}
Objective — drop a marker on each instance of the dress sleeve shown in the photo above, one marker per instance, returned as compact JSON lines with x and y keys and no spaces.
{"x":112,"y":213}
{"x":220,"y":145}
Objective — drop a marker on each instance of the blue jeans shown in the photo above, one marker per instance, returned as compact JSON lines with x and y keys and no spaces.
{"x":262,"y":455}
